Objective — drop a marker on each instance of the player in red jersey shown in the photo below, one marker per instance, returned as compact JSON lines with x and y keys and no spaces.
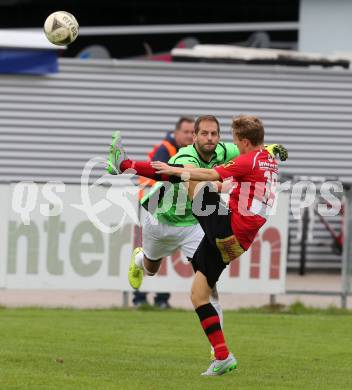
{"x":230,"y":231}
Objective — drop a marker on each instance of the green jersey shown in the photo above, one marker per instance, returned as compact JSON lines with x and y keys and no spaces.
{"x":176,"y":208}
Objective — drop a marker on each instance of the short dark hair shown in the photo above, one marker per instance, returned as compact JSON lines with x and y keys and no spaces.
{"x":182,"y":119}
{"x":202,"y":118}
{"x":249,"y":127}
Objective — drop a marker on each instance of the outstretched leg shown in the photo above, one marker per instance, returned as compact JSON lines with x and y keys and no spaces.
{"x":118,"y":162}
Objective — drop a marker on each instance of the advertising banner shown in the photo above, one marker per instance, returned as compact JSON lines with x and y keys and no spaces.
{"x":56,"y":236}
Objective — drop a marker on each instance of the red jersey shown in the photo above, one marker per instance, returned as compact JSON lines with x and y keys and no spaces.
{"x":255,"y":177}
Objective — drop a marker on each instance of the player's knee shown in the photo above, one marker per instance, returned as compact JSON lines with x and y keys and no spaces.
{"x":198,"y":298}
{"x":152,"y":266}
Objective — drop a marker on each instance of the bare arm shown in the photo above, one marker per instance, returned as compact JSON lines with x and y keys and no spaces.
{"x":196,"y":174}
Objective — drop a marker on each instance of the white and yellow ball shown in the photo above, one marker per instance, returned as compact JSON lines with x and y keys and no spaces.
{"x":61,"y":28}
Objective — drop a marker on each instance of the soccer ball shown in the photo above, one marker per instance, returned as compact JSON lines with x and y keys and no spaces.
{"x":61,"y":28}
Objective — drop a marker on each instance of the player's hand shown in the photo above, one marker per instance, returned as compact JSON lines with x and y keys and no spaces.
{"x":163,"y":168}
{"x":277,"y":150}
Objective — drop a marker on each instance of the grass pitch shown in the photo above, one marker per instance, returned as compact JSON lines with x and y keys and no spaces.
{"x":125,"y":349}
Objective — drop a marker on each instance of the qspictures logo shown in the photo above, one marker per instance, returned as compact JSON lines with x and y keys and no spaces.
{"x":117,"y":197}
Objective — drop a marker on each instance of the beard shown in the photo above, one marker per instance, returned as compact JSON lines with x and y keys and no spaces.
{"x":207,"y":148}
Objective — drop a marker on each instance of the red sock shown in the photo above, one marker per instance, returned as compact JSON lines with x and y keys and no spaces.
{"x":210,"y":322}
{"x":143,"y":168}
